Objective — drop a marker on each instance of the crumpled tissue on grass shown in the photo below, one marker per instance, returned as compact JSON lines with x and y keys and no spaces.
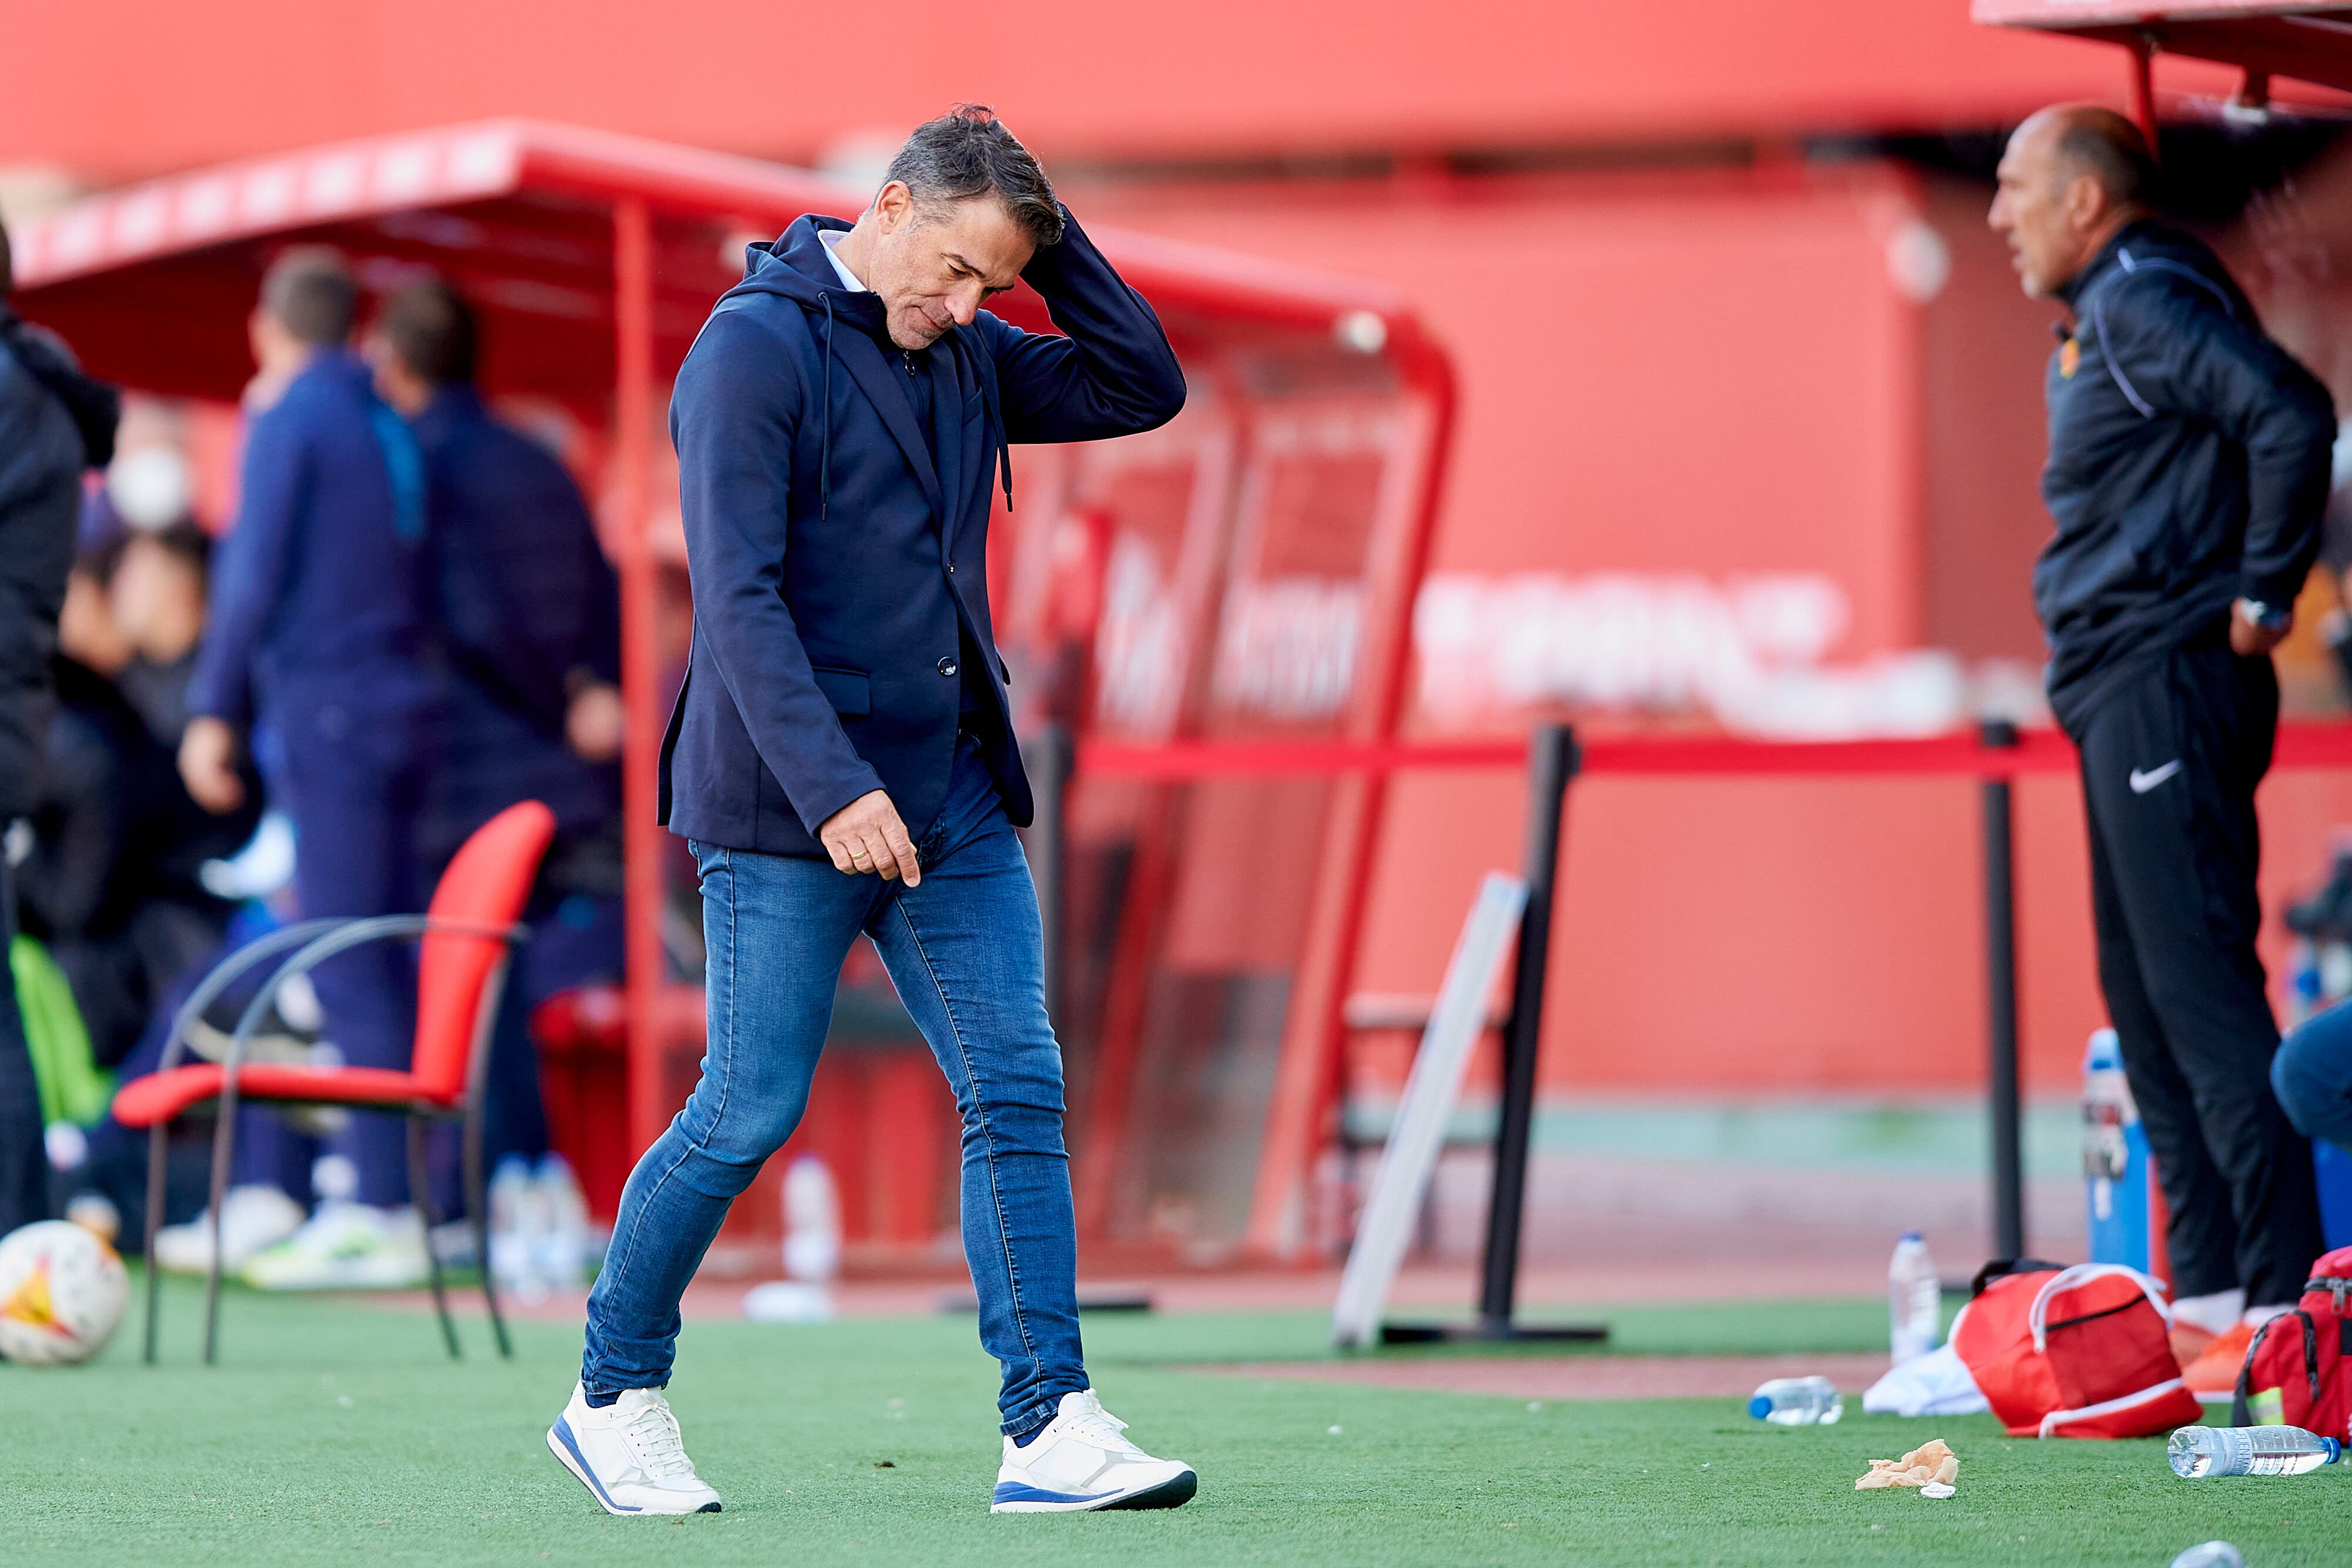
{"x":1930,"y":1463}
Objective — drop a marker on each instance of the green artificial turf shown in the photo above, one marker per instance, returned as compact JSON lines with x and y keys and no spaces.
{"x":334,"y":1434}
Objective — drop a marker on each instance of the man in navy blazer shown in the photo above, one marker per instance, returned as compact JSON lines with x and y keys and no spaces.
{"x":841,"y":761}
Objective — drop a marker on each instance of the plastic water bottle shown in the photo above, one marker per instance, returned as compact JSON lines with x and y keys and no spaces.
{"x":811,"y":1250}
{"x":1915,"y":1299}
{"x":1797,"y":1402}
{"x":511,"y":1263}
{"x":812,"y":1221}
{"x":2198,"y":1451}
{"x":2118,"y":1185}
{"x":2210,"y":1554}
{"x":564,"y":1247}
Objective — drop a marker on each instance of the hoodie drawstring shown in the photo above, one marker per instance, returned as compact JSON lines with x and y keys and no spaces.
{"x":825,"y":417}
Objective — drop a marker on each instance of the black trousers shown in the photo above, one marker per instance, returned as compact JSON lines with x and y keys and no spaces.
{"x":2170,"y":760}
{"x":24,"y":1159}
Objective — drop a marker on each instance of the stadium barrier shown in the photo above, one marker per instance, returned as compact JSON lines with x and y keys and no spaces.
{"x":1996,"y":755}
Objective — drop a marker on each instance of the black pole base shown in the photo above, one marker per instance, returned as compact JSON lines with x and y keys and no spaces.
{"x":1491,"y":1331}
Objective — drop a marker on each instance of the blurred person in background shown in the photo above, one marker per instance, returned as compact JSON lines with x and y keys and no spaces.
{"x":111,"y":885}
{"x":2336,"y":550}
{"x":841,"y":761}
{"x":312,"y":660}
{"x":2187,"y":468}
{"x":56,"y":424}
{"x":529,"y":617}
{"x":2313,"y":1076}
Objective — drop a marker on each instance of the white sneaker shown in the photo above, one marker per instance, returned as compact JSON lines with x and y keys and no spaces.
{"x":1080,"y":1462}
{"x":346,"y":1246}
{"x":252,"y":1218}
{"x":629,"y":1455}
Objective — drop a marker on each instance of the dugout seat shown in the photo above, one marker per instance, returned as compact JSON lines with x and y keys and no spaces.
{"x":466,"y":938}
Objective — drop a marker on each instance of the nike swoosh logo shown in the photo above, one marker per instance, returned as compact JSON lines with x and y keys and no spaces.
{"x":2142,"y":783}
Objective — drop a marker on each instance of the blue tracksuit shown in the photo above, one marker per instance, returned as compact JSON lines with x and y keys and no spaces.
{"x":837,"y":545}
{"x":315,"y":635}
{"x":527,"y":604}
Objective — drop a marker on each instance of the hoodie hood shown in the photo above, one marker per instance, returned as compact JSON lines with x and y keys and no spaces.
{"x":795,"y":265}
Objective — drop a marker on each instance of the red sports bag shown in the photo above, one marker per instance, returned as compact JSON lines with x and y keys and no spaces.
{"x":2075,"y":1352}
{"x":2298,"y":1371}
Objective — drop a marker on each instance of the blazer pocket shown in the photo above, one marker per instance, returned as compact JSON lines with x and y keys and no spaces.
{"x":846,"y":690}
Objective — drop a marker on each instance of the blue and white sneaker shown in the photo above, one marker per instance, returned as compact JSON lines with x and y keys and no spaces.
{"x":1081,"y":1462}
{"x":629,"y":1455}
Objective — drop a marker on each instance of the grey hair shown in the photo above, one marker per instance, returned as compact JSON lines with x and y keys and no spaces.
{"x":967,"y":153}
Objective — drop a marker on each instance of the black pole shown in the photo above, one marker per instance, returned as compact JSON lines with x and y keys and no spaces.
{"x":1049,"y":762}
{"x":1552,"y":762}
{"x":2001,"y":1001}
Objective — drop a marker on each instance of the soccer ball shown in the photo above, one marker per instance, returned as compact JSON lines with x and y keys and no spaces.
{"x":62,"y":1295}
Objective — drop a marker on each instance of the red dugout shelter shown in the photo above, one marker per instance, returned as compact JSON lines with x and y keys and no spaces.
{"x":2266,"y":38}
{"x":1280,"y":525}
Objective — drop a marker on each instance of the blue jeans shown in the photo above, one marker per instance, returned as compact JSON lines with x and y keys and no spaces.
{"x":2312,"y":1075}
{"x":964,"y":949}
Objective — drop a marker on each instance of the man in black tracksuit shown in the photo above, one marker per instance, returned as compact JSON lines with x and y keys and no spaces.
{"x":55,"y":422}
{"x":2188,"y":467}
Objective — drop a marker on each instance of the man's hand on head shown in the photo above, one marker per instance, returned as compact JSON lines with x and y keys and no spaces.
{"x":867,"y":835}
{"x":208,"y":765}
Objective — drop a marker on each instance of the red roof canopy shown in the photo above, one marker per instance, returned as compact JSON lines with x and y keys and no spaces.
{"x":2275,"y":37}
{"x":152,"y":284}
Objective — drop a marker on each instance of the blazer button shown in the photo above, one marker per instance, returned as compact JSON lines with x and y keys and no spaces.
{"x":946,"y":667}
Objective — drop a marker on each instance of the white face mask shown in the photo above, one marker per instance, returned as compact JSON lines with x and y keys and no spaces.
{"x":151,"y":487}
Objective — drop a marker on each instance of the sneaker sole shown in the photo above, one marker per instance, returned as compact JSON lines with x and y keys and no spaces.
{"x":1174,"y":1492}
{"x":570,"y":1460}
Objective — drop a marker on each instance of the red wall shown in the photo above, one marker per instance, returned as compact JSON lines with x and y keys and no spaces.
{"x":118,"y":87}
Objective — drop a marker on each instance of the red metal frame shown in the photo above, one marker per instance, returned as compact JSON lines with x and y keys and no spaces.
{"x":1307,"y":1076}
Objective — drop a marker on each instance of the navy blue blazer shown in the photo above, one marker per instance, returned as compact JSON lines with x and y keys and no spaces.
{"x":837,"y":551}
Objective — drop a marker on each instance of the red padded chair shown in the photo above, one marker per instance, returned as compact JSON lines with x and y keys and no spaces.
{"x":467,"y":937}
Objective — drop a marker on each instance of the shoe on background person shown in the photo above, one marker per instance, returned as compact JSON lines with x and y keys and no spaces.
{"x":2213,"y":1375}
{"x":2188,"y":1342}
{"x":2199,"y":1320}
{"x":1082,"y":1462}
{"x":346,"y":1246}
{"x":253,"y":1218}
{"x":629,"y":1453}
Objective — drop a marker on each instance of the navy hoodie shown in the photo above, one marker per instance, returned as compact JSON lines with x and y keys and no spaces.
{"x":2189,"y":461}
{"x":837,"y":548}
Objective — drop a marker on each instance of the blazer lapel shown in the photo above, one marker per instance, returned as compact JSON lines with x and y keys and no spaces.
{"x":974,"y":458}
{"x":857,"y":351}
{"x":947,"y":418}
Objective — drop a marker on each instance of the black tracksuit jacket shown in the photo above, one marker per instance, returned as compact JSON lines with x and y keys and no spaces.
{"x":2189,"y":464}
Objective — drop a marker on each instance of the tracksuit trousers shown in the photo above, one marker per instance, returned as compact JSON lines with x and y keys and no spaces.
{"x":2170,"y":760}
{"x":24,"y":1158}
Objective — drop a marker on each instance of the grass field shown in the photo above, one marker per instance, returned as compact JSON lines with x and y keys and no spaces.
{"x":333,"y":1434}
